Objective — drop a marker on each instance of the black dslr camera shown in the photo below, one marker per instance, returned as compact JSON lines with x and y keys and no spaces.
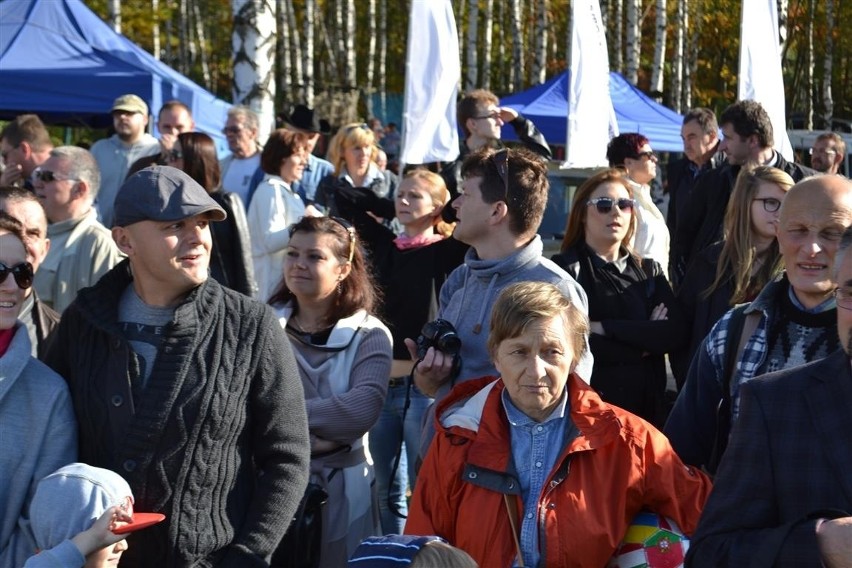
{"x":441,"y":335}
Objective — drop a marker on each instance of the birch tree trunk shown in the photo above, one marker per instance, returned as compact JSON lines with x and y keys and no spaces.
{"x":517,"y":71}
{"x":471,"y":81}
{"x":183,"y":37}
{"x":783,"y":7}
{"x":540,"y":61}
{"x":659,"y":51}
{"x":349,"y":43}
{"x":692,"y":66}
{"x":282,"y":51}
{"x":633,"y":41}
{"x":308,"y":52}
{"x":503,"y":37}
{"x":155,"y":28}
{"x":371,"y":56}
{"x":202,"y":42}
{"x":618,"y":24}
{"x":487,"y":38}
{"x":383,"y":55}
{"x":294,"y":55}
{"x":809,"y":67}
{"x":114,"y":11}
{"x":254,"y":59}
{"x":678,"y":62}
{"x":828,"y":64}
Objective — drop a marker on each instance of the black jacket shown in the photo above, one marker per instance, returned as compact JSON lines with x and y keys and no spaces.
{"x":704,"y":216}
{"x":217,"y":440}
{"x":46,"y":320}
{"x":230,"y":257}
{"x":630,"y":368}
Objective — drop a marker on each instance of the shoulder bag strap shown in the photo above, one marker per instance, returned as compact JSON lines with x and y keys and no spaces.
{"x":512,"y":510}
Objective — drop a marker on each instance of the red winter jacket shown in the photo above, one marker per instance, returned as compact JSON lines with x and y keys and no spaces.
{"x":616,"y":466}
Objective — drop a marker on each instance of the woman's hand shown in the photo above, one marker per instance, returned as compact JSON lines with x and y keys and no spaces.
{"x":321,"y":445}
{"x":660,"y":312}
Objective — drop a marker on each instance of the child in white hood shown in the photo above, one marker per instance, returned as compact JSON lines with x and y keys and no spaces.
{"x":79,"y":517}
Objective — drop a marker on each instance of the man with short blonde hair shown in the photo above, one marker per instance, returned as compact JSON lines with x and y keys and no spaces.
{"x":828,"y":153}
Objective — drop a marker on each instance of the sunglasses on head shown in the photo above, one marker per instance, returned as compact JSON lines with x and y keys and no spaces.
{"x":605,"y":204}
{"x":22,"y":273}
{"x":350,"y":230}
{"x":501,"y":162}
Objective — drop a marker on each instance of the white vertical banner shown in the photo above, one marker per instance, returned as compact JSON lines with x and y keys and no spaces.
{"x":760,"y":77}
{"x":591,"y":117}
{"x":432,"y":74}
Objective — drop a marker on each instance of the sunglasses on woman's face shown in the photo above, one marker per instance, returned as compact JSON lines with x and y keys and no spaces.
{"x":22,"y":273}
{"x":604,"y":204}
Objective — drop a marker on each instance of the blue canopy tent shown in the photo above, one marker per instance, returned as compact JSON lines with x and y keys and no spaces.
{"x":547,"y":106}
{"x":58,"y":59}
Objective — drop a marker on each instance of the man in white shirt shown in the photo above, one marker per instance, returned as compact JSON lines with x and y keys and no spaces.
{"x":241,"y":130}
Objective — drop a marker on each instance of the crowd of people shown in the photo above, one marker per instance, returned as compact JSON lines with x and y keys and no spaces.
{"x":276,"y":354}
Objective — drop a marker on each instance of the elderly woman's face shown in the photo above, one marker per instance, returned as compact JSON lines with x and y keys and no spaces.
{"x":535,"y":366}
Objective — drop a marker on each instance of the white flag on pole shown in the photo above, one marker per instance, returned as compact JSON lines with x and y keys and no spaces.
{"x":760,"y":77}
{"x":432,"y":73}
{"x":591,"y":117}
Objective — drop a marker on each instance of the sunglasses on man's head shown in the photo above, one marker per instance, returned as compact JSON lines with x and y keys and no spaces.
{"x":501,"y":162}
{"x":605,"y":204}
{"x":22,"y":273}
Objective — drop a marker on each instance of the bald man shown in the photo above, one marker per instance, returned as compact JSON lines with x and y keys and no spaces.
{"x":791,"y":322}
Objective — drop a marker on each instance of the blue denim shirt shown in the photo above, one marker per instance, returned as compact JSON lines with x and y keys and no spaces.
{"x":315,"y":170}
{"x":535,"y":449}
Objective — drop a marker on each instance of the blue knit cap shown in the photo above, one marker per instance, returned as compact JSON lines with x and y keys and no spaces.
{"x":391,"y":551}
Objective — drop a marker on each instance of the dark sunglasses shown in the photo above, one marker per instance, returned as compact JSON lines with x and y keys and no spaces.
{"x":770,"y":204}
{"x":22,"y":273}
{"x":47,"y":176}
{"x":604,"y":204}
{"x":501,"y":162}
{"x":175,"y":155}
{"x":232,"y":129}
{"x":649,"y":154}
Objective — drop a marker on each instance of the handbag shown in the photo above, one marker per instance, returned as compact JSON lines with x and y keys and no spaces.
{"x":300,"y":547}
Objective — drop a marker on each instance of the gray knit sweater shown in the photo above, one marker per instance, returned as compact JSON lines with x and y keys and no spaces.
{"x":218,"y":438}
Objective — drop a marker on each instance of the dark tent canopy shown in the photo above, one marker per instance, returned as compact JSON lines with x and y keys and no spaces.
{"x":547,"y":106}
{"x":61,"y":61}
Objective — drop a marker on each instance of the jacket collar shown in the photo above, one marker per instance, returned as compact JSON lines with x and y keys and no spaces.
{"x":485,"y":269}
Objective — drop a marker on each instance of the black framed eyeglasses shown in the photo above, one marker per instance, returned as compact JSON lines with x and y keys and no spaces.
{"x":651,"y":155}
{"x":495,"y":115}
{"x":605,"y":204}
{"x":501,"y":162}
{"x":843,"y":297}
{"x":48,"y":176}
{"x":770,"y":204}
{"x":353,"y":236}
{"x":22,"y":273}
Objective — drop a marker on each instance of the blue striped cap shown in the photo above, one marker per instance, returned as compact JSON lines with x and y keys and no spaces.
{"x":389,"y":551}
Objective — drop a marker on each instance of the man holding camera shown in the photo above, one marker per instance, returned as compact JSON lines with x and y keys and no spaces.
{"x":503,"y":197}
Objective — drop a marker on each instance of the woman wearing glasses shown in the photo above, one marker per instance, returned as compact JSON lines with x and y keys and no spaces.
{"x":325,"y":303}
{"x":632,"y":152}
{"x":230,"y":257}
{"x":353,"y":152}
{"x":634,"y":317}
{"x":275,"y":206}
{"x":39,"y":432}
{"x":734,"y":270}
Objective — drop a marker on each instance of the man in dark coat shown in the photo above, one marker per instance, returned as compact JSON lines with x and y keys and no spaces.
{"x":187,"y":389}
{"x":748,"y":140}
{"x":783,"y":495}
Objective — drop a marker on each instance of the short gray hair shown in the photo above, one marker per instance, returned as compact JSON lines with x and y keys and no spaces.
{"x":249,"y":115}
{"x":81,"y":166}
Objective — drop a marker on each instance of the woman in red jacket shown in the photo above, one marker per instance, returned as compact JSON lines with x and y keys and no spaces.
{"x":534,"y":464}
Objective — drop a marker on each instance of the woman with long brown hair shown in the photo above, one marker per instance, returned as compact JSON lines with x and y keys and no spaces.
{"x":633,"y":314}
{"x":230,"y":257}
{"x":325,"y":303}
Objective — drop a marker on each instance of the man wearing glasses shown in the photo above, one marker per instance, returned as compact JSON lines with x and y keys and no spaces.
{"x":481,"y":117}
{"x":791,"y":322}
{"x":24,"y":146}
{"x":499,"y":210}
{"x":828,"y":153}
{"x":238,"y":169}
{"x":783,"y":495}
{"x":81,"y":248}
{"x":748,"y":139}
{"x":115,"y":154}
{"x":175,"y":118}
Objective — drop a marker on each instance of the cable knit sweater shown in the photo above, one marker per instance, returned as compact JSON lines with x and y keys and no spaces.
{"x":217,"y":440}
